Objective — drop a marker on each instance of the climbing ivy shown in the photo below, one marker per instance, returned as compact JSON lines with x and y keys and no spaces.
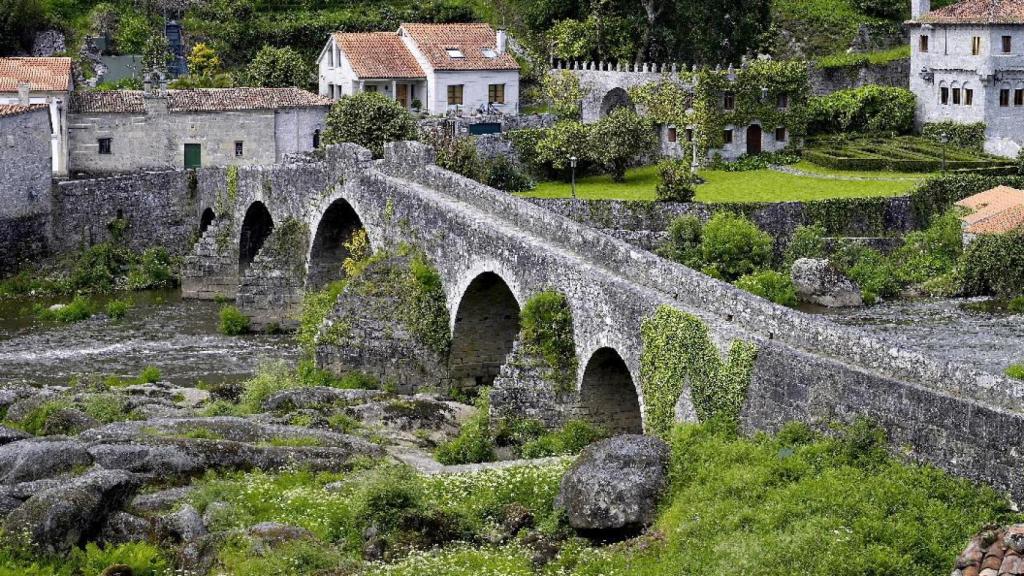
{"x":225,"y":206}
{"x":547,"y":333}
{"x":678,"y":350}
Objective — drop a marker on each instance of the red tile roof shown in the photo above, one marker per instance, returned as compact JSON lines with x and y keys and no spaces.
{"x":977,"y":12}
{"x":15,"y":109}
{"x":43,"y":74}
{"x":199,"y":100}
{"x":471,"y":39}
{"x":378,"y":55}
{"x":994,"y":211}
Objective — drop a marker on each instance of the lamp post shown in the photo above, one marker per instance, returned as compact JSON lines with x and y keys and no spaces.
{"x":572,"y":163}
{"x":944,"y":138}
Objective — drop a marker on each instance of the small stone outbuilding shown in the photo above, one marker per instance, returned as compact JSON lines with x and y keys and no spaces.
{"x":996,"y":211}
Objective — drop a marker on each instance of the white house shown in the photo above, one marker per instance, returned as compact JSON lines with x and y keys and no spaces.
{"x":967,"y":65}
{"x":439,"y":68}
{"x":25,"y":81}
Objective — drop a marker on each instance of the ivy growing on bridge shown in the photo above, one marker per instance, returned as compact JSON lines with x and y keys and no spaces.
{"x":224,"y":206}
{"x":547,"y":332}
{"x":678,"y":350}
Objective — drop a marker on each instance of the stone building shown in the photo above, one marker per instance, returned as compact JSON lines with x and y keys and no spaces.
{"x":439,"y":68}
{"x":25,"y":180}
{"x":160,"y":129}
{"x":45,"y":81}
{"x":967,"y":65}
{"x":996,"y":211}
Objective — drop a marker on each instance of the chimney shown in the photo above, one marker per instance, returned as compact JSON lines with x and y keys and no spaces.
{"x":919,"y":8}
{"x":501,"y":41}
{"x":24,"y":90}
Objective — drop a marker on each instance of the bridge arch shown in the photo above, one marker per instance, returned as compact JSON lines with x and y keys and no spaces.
{"x":256,"y":228}
{"x":485,"y":326}
{"x":206,"y":219}
{"x":614,"y":99}
{"x":337,"y":225}
{"x":608,"y":395}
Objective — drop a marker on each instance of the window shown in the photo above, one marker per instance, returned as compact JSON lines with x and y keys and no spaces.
{"x":727,"y":136}
{"x":1007,"y":44}
{"x":371,"y":88}
{"x":496,"y":94}
{"x":956,"y":96}
{"x":1018,"y":97}
{"x":488,"y":53}
{"x":104,"y":145}
{"x":239,"y":148}
{"x":729,"y":102}
{"x":968,"y":97}
{"x":316,"y":139}
{"x":454,"y":53}
{"x":944,"y":95}
{"x":780,"y":134}
{"x":783,"y":101}
{"x":923,"y":43}
{"x":455,"y":95}
{"x":193,"y":156}
{"x":689,"y":134}
{"x":976,"y":45}
{"x":673,"y":134}
{"x":1004,"y":97}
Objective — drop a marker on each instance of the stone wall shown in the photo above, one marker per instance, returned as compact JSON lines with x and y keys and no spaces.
{"x":828,"y":80}
{"x":25,"y":157}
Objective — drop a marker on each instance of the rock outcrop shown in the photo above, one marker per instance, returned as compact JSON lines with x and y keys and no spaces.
{"x":818,"y":282}
{"x":39,"y":458}
{"x":615,"y":484}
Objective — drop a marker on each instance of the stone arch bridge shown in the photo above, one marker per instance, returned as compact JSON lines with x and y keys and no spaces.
{"x":271,"y":233}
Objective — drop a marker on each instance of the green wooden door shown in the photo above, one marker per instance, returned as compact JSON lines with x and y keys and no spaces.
{"x":193,"y":156}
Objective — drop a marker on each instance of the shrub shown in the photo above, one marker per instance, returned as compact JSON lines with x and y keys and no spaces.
{"x":503,"y":174}
{"x":685,"y":234}
{"x":573,"y":437}
{"x":118,"y":308}
{"x":870,"y":269}
{"x":866,"y":109}
{"x":547,"y":332}
{"x":142,"y":558}
{"x":149,"y":375}
{"x":455,"y":154}
{"x":770,"y":285}
{"x":807,"y":242}
{"x":80,"y":308}
{"x":474,"y":443}
{"x":888,"y":9}
{"x":678,"y":182}
{"x":967,"y":136}
{"x":993,"y":264}
{"x":564,"y":93}
{"x":565,"y":139}
{"x":1016,"y":305}
{"x":621,"y":137}
{"x":932,"y":252}
{"x":278,"y":68}
{"x":1015,"y":371}
{"x":733,"y":246}
{"x":370,"y":120}
{"x":232,"y":321}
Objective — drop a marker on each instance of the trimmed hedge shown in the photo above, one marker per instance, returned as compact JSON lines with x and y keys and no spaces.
{"x":969,"y":136}
{"x":904,"y":154}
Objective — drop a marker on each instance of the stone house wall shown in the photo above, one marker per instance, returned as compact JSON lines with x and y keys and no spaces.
{"x":825,"y":81}
{"x":25,"y":158}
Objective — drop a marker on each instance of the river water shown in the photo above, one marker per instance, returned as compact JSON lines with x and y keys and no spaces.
{"x":942,"y":328}
{"x":177,"y":336}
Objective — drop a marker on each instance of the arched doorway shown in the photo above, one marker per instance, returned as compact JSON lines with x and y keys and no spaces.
{"x":754,"y":139}
{"x":486,"y":326}
{"x":608,"y":397}
{"x":256,"y":227}
{"x":205,"y":220}
{"x":337,"y":227}
{"x":616,"y":98}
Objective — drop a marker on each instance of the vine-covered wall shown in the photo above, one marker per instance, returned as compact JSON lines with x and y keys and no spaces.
{"x":678,"y":351}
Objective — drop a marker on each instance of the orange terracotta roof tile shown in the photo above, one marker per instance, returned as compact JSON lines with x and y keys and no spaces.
{"x":1008,"y":220}
{"x":977,"y":12}
{"x":43,"y":74}
{"x":15,"y":109}
{"x":474,"y":41}
{"x":986,"y":204}
{"x":378,"y":55}
{"x":199,"y":100}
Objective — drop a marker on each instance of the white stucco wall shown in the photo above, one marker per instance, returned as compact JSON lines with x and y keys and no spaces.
{"x":475,"y":86}
{"x":58,"y":104}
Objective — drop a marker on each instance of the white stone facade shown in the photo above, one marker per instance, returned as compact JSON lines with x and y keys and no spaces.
{"x":970,"y":72}
{"x":57,"y":102}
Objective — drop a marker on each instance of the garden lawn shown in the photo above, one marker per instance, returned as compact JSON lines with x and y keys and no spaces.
{"x":721,"y":186}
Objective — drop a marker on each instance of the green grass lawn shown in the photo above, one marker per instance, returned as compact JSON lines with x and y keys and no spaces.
{"x":813,"y":168}
{"x":720,"y":186}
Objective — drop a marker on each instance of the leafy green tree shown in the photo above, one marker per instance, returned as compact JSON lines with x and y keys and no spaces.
{"x":564,"y":140}
{"x":888,"y":9}
{"x":573,"y":39}
{"x":136,"y":33}
{"x":621,"y":137}
{"x":204,"y":61}
{"x":733,"y":246}
{"x":564,"y":94}
{"x":156,"y":53}
{"x":278,"y":68}
{"x":678,"y":182}
{"x":19,"y":21}
{"x":683,"y":244}
{"x":370,"y":120}
{"x":770,"y":285}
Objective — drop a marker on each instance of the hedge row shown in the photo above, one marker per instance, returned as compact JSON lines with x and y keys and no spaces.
{"x":906,"y":164}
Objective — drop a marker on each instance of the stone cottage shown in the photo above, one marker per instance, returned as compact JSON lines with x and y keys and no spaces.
{"x":25,"y":179}
{"x":46,"y":81}
{"x":996,"y":211}
{"x":967,"y":65}
{"x":160,"y":129}
{"x":439,"y":68}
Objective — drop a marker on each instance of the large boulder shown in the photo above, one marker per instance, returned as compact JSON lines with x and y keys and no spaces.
{"x":316,"y":397}
{"x":63,"y":516}
{"x":818,"y":282}
{"x":67,"y":422}
{"x":615,"y":484}
{"x":39,"y":458}
{"x":8,"y":435}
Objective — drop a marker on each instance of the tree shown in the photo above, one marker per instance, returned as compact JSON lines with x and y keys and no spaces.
{"x":369,"y":119}
{"x":620,"y":137}
{"x":278,"y":68}
{"x":733,"y":246}
{"x":564,"y":94}
{"x":564,"y":140}
{"x":203,"y":61}
{"x":19,"y":21}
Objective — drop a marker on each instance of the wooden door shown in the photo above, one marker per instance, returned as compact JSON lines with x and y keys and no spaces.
{"x":754,"y":139}
{"x":403,"y":95}
{"x":193,"y":156}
